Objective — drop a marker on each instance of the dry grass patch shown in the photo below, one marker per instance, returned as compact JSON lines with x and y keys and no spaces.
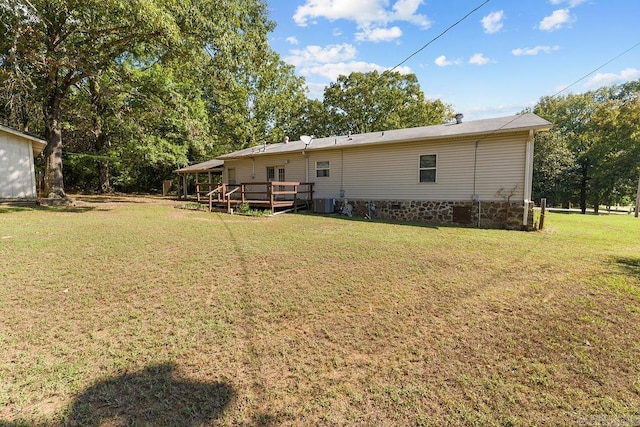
{"x":137,"y":313}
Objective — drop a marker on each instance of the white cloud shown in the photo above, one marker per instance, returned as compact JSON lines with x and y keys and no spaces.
{"x":534,"y":50}
{"x":571,"y":3}
{"x":492,"y":23}
{"x":292,"y":40}
{"x":379,"y":34}
{"x":371,"y":16}
{"x":332,"y":71}
{"x":331,"y":61}
{"x":337,"y":32}
{"x":321,"y":55}
{"x":608,"y":79}
{"x":442,"y":61}
{"x":405,"y":10}
{"x":492,"y":111}
{"x":479,"y":59}
{"x":557,"y":20}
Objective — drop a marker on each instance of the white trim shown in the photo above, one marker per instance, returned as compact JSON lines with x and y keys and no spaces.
{"x":328,"y":168}
{"x":435,"y":168}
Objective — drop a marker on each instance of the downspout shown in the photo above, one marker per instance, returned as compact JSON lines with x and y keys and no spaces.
{"x":342,"y":174}
{"x":528,"y":177}
{"x":475,"y":197}
{"x":306,"y":165}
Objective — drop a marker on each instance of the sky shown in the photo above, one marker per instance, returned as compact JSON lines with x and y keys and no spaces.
{"x":498,"y":61}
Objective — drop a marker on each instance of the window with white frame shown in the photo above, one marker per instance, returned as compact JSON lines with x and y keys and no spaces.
{"x":323,"y":168}
{"x":427,"y":167}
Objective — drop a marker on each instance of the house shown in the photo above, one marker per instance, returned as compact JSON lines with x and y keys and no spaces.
{"x":473,"y":173}
{"x":17,"y":171}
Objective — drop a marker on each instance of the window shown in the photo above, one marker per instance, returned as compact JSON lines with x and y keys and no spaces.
{"x":274,"y":172}
{"x":428,"y":168}
{"x":322,"y":169}
{"x":231,"y":176}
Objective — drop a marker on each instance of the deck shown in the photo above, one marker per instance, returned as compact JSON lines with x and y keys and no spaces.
{"x":272,"y":195}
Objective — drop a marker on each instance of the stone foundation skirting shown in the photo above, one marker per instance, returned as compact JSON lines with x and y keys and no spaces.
{"x":492,"y":214}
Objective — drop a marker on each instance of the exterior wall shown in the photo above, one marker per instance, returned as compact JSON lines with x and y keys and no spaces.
{"x":391,"y":172}
{"x":388,"y":175}
{"x":327,"y":186}
{"x":492,"y":214}
{"x":248,"y":170}
{"x":17,"y":171}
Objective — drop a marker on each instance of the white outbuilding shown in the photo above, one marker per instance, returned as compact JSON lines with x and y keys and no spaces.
{"x":17,"y":170}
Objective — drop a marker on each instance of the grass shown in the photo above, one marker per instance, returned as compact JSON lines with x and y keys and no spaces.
{"x":138,"y":313}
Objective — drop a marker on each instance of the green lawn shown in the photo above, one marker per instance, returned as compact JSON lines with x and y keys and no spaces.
{"x":133,"y":312}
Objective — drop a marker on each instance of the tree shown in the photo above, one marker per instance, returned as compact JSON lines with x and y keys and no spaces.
{"x":571,"y":117}
{"x":616,"y":133}
{"x":259,"y":99}
{"x":593,"y":152}
{"x":52,"y":46}
{"x":369,"y":102}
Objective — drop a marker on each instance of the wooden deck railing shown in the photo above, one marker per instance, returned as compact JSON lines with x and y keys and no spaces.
{"x":272,"y":194}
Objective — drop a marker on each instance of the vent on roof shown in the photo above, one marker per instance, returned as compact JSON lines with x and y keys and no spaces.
{"x":459,"y":118}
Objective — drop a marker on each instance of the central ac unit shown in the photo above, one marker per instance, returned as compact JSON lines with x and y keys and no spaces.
{"x":324,"y":206}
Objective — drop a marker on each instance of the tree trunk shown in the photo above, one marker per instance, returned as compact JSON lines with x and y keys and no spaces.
{"x":638,"y":199}
{"x":103,"y":172}
{"x":101,"y":141}
{"x":583,"y":189}
{"x":53,"y":178}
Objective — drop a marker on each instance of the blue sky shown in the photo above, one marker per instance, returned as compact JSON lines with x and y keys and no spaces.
{"x":498,"y":61}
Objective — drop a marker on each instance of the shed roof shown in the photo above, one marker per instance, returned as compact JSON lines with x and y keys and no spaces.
{"x":485,"y":127}
{"x":204,"y":167}
{"x":37,"y":143}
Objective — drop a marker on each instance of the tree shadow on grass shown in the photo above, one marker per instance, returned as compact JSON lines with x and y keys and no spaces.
{"x":153,"y":396}
{"x":629,"y":265}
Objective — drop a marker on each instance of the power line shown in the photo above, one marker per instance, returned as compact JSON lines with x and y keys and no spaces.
{"x":440,"y":35}
{"x":597,"y":69}
{"x":517,"y":116}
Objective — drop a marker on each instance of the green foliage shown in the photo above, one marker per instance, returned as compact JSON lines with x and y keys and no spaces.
{"x":592,"y":155}
{"x":138,"y":84}
{"x":369,"y":102}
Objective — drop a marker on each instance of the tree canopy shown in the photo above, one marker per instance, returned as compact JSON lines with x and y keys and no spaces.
{"x":592,"y":155}
{"x":125,"y":92}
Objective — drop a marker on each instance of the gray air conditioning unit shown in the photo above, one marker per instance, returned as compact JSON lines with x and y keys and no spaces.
{"x":323,"y":206}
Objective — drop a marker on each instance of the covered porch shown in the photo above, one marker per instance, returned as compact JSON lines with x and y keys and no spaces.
{"x":212,"y":169}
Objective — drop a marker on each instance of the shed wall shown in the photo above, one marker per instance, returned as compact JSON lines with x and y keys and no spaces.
{"x":17,"y":171}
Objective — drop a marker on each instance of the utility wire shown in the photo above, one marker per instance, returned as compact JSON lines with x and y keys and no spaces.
{"x":517,"y":116}
{"x":600,"y":67}
{"x":440,"y":35}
